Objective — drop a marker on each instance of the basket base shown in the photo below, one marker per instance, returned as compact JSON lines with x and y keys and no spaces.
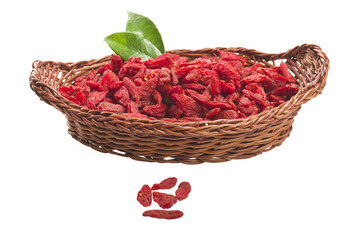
{"x":169,"y":150}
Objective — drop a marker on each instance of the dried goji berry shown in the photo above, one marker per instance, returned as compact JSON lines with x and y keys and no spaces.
{"x":269,"y":84}
{"x":139,"y":82}
{"x":247,"y":107}
{"x":164,"y":200}
{"x":183,"y":191}
{"x":174,"y":76}
{"x":273,"y":74}
{"x":163,"y":60}
{"x":109,"y":100}
{"x":93,"y":84}
{"x":238,"y":66}
{"x":183,"y":71}
{"x":215,"y":86}
{"x":104,"y":68}
{"x":251,"y":70}
{"x":227,"y":114}
{"x":92,"y":76}
{"x":194,"y":86}
{"x":115,"y":85}
{"x":147,"y":88}
{"x":255,"y":78}
{"x":189,"y":106}
{"x":108,"y":78}
{"x":285,"y":72}
{"x":175,"y":89}
{"x":80,"y":96}
{"x":122,"y":96}
{"x":132,"y":89}
{"x":95,"y":98}
{"x":132,"y":107}
{"x":133,"y":69}
{"x":212,"y":113}
{"x":227,"y":87}
{"x":174,"y":112}
{"x":180,"y":61}
{"x":144,"y":196}
{"x":116,"y":62}
{"x":260,"y":99}
{"x":257,"y":94}
{"x":278,"y":100}
{"x":286,"y":91}
{"x":164,"y":76}
{"x":163,"y":214}
{"x":193,"y":76}
{"x":227,"y":71}
{"x":157,"y":96}
{"x":67,"y":90}
{"x":167,"y":183}
{"x":231,"y":56}
{"x":73,"y":99}
{"x":157,"y":110}
{"x":202,"y":99}
{"x":111,"y":107}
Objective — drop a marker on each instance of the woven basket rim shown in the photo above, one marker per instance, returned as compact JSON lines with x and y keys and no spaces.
{"x":206,"y":125}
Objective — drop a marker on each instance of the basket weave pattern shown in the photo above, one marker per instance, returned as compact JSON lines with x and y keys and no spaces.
{"x":190,"y":142}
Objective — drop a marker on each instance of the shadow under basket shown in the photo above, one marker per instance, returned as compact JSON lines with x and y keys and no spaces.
{"x":187,"y":142}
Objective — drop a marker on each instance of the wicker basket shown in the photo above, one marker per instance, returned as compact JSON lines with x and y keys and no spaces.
{"x":191,"y":142}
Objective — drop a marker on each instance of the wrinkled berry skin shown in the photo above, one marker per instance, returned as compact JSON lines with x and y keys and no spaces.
{"x":183,"y":191}
{"x":144,"y":196}
{"x":167,"y":183}
{"x":163,"y":214}
{"x":164,"y":200}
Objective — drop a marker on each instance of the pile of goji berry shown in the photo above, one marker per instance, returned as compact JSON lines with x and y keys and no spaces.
{"x":175,"y":88}
{"x":164,"y":200}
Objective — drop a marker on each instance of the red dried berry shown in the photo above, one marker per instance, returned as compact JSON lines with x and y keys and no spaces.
{"x":189,"y":106}
{"x":212,"y":113}
{"x":164,"y":200}
{"x":144,"y":196}
{"x":231,"y":56}
{"x":104,"y":68}
{"x":116,"y":62}
{"x":108,"y":78}
{"x":227,"y":71}
{"x":247,"y":107}
{"x":93,"y":84}
{"x":183,"y":191}
{"x":122,"y":96}
{"x":132,"y":89}
{"x":163,"y":214}
{"x":95,"y":98}
{"x":67,"y":90}
{"x":167,"y":183}
{"x":285,"y":72}
{"x":111,"y":107}
{"x":147,"y":88}
{"x":132,"y":107}
{"x":157,"y":96}
{"x":286,"y":91}
{"x":80,"y":96}
{"x":157,"y":110}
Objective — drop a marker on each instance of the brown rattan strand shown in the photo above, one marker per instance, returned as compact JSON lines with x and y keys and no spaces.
{"x":189,"y":142}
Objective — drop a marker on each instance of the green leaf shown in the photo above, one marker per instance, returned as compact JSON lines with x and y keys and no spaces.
{"x":127,"y":44}
{"x":146,"y":28}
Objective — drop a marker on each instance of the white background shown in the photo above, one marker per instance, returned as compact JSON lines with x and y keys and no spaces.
{"x":53,"y":187}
